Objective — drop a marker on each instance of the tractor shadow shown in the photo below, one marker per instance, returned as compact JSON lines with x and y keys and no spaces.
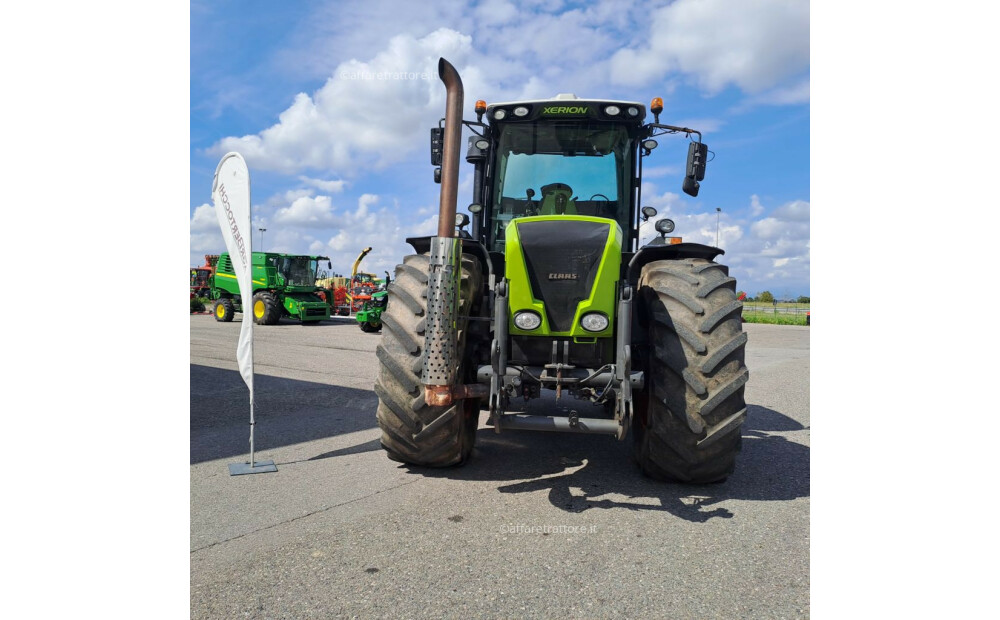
{"x":586,"y":472}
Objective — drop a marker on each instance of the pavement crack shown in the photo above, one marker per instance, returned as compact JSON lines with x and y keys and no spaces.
{"x":308,"y":514}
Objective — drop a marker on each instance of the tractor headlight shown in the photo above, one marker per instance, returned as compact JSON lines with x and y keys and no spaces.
{"x":527,"y":320}
{"x":612,"y":110}
{"x":499,"y":114}
{"x":520,"y":111}
{"x":594,"y":322}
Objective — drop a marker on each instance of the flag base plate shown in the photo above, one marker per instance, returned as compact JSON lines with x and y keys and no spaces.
{"x":260,"y":467}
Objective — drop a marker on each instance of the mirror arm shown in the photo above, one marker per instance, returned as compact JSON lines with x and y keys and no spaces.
{"x":471,"y":125}
{"x":671,"y":129}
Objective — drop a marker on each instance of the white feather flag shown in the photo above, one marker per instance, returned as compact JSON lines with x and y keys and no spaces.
{"x":231,"y":194}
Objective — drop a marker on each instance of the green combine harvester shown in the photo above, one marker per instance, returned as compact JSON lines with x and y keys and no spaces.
{"x":284,"y":285}
{"x":553,"y":294}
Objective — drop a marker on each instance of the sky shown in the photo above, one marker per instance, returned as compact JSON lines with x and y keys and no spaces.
{"x":330,"y":103}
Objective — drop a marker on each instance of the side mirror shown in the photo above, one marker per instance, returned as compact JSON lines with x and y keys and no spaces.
{"x":437,"y":145}
{"x":329,"y":265}
{"x":696,"y":162}
{"x":697,"y":159}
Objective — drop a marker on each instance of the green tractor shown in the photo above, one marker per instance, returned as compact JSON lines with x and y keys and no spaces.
{"x":283,"y":285}
{"x":370,"y":316}
{"x":555,"y":296}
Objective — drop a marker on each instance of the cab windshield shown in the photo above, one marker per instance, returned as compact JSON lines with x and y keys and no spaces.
{"x":570,"y":167}
{"x":297,"y":271}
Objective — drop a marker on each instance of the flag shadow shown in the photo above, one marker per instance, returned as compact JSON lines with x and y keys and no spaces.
{"x":288,"y":411}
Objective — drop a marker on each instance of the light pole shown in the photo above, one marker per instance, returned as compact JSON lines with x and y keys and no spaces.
{"x":718,"y":214}
{"x":261,"y":238}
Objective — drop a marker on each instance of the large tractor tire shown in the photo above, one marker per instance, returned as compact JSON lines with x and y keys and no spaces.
{"x":224,"y":310}
{"x":689,"y":415}
{"x":266,"y":310}
{"x":412,"y":431}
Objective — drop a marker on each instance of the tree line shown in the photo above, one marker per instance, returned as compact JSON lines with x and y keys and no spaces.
{"x":766,"y":297}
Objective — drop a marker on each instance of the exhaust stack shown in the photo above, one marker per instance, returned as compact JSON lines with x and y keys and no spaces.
{"x":441,"y":357}
{"x":451,"y":148}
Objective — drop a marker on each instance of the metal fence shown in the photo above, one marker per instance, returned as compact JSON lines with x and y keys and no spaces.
{"x":766,"y":308}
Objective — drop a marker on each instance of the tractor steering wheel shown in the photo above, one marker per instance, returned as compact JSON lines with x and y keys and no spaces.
{"x":606,"y":207}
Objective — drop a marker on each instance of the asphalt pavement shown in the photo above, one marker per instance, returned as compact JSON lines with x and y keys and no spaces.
{"x":536,"y":525}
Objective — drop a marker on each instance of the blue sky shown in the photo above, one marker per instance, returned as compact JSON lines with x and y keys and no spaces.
{"x":339,"y":160}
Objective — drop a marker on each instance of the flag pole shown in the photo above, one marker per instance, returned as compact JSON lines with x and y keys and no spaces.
{"x":251,"y":433}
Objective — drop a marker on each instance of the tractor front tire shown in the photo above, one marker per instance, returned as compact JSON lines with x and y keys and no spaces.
{"x":689,"y":416}
{"x":412,"y":431}
{"x":224,"y":310}
{"x":266,"y":310}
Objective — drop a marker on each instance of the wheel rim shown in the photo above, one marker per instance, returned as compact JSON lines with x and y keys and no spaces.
{"x":220,"y":311}
{"x":258,"y":308}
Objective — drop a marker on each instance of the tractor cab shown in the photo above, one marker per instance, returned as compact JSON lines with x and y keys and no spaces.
{"x":559,"y":157}
{"x":200,"y":277}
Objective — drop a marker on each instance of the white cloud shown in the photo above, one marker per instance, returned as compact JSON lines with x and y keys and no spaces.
{"x":765,"y":253}
{"x":495,"y":12}
{"x":776,"y":251}
{"x":356,"y":118}
{"x":307,"y":211}
{"x":206,"y":236}
{"x":332,"y":187}
{"x":204,"y":219}
{"x":795,"y":211}
{"x":752,"y":45}
{"x":427,"y":227}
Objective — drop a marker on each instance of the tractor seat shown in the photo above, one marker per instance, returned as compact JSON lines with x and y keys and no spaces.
{"x":557,"y":200}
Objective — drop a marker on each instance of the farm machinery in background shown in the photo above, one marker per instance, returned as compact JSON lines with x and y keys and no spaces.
{"x":334,"y":292}
{"x":362,"y":285}
{"x":284,"y":285}
{"x":201,"y":277}
{"x":369,"y":317}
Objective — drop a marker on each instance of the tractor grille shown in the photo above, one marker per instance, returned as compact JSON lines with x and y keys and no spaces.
{"x":563,"y":259}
